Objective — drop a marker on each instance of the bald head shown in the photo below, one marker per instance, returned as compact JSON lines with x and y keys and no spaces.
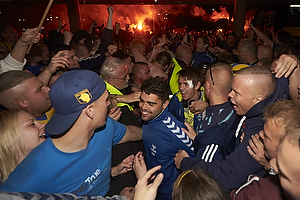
{"x":141,"y":72}
{"x":264,"y":52}
{"x":139,"y":44}
{"x":184,"y":53}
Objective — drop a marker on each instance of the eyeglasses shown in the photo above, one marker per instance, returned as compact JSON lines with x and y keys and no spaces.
{"x":123,"y":78}
{"x":212,"y":80}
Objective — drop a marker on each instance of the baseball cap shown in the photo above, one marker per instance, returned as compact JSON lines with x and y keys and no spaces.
{"x":69,"y":95}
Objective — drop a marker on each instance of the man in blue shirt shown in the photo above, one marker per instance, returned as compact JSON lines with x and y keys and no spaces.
{"x":77,"y":158}
{"x":201,"y":54}
{"x":162,"y":134}
{"x":215,"y":137}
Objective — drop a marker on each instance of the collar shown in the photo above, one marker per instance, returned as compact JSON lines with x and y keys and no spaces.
{"x":181,"y":63}
{"x":159,"y":117}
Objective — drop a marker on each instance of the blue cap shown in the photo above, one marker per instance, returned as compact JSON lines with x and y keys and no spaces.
{"x":69,"y":95}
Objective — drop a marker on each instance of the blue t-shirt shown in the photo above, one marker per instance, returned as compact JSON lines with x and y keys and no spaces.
{"x":47,"y":169}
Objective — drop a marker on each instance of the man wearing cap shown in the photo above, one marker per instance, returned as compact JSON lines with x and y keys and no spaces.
{"x":77,"y":158}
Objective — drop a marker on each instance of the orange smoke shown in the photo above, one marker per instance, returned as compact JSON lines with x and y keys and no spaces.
{"x":223,"y":14}
{"x":215,"y":16}
{"x":141,"y":17}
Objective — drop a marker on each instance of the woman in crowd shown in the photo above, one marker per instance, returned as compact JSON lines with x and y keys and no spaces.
{"x":19,"y":134}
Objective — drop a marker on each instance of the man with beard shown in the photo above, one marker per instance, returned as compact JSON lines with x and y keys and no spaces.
{"x":162,"y":134}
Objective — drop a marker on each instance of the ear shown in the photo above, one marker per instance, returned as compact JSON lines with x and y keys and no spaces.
{"x":110,"y":80}
{"x":205,"y":46}
{"x":22,"y":103}
{"x":165,"y":104}
{"x":207,"y":85}
{"x":89,"y":111}
{"x":198,"y":85}
{"x":259,"y":98}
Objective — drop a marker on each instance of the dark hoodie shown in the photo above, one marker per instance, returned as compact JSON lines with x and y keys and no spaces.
{"x":235,"y":169}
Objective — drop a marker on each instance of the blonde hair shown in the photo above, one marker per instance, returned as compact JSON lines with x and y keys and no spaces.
{"x":11,"y":142}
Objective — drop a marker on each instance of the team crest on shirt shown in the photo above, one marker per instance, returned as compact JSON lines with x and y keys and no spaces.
{"x":84,"y":96}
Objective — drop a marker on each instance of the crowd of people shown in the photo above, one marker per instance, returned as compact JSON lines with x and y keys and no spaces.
{"x":166,"y":115}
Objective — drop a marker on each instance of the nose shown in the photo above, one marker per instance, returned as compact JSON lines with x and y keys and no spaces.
{"x":142,"y":105}
{"x":230,"y":94}
{"x":40,"y":126}
{"x":46,"y":89}
{"x":180,"y":86}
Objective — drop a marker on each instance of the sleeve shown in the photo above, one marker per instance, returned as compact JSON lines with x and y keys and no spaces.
{"x":106,"y":40}
{"x":232,"y":172}
{"x":210,"y":153}
{"x":93,"y":62}
{"x":54,"y":196}
{"x":118,"y":128}
{"x":171,"y":106}
{"x":9,"y":63}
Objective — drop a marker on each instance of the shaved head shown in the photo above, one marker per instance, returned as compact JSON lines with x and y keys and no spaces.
{"x":264,"y":52}
{"x":222,"y":77}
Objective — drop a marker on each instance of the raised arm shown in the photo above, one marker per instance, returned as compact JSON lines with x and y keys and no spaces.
{"x":57,"y":61}
{"x":16,"y":59}
{"x":262,"y":36}
{"x":19,"y":51}
{"x":109,"y":24}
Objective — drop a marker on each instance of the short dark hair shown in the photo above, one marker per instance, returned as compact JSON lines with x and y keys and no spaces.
{"x":205,"y":39}
{"x":60,"y":47}
{"x":249,"y":45}
{"x":191,"y":73}
{"x":283,"y":36}
{"x":158,"y":86}
{"x":163,"y":58}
